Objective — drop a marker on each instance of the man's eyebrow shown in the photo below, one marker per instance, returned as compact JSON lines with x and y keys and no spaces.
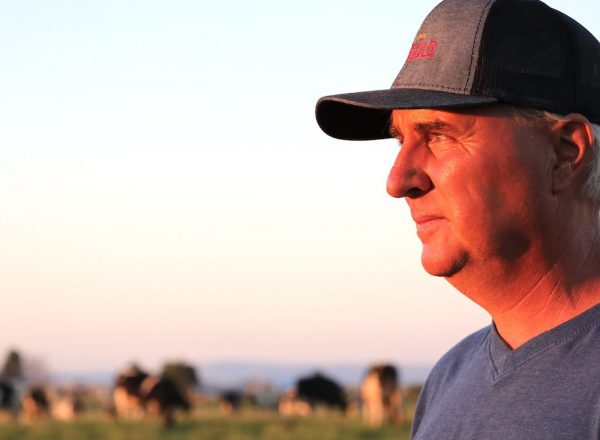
{"x":435,"y":124}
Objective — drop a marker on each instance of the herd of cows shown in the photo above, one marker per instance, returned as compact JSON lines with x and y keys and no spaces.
{"x":137,"y":394}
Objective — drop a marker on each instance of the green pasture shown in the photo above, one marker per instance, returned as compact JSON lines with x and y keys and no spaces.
{"x":203,"y":425}
{"x":206,"y":421}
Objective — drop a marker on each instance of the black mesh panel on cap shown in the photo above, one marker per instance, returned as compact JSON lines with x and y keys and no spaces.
{"x":523,"y":50}
{"x":587,"y":62}
{"x":530,"y":56}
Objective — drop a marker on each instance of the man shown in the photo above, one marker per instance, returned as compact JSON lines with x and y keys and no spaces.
{"x":495,"y":111}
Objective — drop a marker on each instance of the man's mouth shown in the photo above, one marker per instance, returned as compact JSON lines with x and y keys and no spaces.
{"x":427,"y":222}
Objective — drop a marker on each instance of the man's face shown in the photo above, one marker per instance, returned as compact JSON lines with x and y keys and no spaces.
{"x":477,"y":183}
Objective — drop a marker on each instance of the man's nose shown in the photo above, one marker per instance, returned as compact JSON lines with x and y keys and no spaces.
{"x":407,"y":177}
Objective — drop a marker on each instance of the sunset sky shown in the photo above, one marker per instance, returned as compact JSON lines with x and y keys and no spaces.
{"x":166,"y":192}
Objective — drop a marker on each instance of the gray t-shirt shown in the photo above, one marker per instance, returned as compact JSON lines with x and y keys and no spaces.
{"x":548,"y":388}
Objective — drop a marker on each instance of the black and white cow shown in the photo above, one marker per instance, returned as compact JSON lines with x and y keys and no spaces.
{"x":313,"y":391}
{"x":137,"y":393}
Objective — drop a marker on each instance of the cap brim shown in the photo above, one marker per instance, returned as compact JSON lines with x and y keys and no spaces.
{"x":366,"y":115}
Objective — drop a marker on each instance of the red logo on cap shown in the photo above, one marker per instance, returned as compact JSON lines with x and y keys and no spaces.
{"x":422,"y":49}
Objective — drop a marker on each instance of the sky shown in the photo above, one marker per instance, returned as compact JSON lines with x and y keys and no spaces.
{"x":165,"y":191}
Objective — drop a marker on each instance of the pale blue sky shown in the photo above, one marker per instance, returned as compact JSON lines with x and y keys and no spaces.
{"x":166,"y":191}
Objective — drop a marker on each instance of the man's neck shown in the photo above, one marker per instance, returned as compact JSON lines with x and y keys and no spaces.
{"x":545,"y":307}
{"x":530,"y":299}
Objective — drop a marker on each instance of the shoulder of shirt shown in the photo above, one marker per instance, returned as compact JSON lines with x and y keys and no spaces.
{"x":446,"y":368}
{"x":459,"y":354}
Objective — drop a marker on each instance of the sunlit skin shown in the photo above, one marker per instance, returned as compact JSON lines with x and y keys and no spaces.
{"x":498,"y":208}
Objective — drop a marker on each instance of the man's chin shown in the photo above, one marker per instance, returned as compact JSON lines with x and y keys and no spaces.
{"x":440,"y":266}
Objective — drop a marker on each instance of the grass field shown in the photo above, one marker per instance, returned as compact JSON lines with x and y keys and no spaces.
{"x":210,"y":426}
{"x":206,"y":421}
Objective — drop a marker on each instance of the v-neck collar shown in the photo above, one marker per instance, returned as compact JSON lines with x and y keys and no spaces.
{"x":505,"y":360}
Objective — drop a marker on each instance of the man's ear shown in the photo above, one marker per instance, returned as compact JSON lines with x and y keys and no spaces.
{"x":573,"y":150}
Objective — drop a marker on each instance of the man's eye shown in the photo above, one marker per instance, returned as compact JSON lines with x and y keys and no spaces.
{"x":439,"y":137}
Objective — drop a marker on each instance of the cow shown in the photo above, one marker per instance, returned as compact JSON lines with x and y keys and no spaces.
{"x":35,"y":403}
{"x":67,"y":404}
{"x":161,"y":396}
{"x":138,"y":393}
{"x":127,"y":398}
{"x":230,"y":401}
{"x":381,"y":396}
{"x":311,"y":392}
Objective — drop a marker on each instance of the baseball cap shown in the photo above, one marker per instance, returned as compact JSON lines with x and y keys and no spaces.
{"x":480,"y":52}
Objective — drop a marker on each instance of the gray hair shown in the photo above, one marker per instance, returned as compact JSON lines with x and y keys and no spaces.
{"x":591,"y":186}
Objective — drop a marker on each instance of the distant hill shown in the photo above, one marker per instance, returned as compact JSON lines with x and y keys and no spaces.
{"x":217,"y":375}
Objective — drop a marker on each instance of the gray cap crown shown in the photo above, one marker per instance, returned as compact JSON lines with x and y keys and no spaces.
{"x":445,"y":51}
